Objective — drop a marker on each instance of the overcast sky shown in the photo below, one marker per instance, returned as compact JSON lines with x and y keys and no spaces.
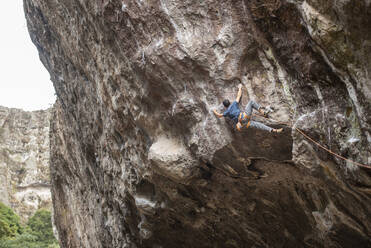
{"x":24,"y":81}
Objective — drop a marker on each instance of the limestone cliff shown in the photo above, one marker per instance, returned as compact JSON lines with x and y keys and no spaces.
{"x":138,"y":158}
{"x":24,"y":160}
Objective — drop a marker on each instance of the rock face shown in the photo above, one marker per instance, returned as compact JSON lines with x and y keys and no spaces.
{"x":24,"y":160}
{"x":138,"y":158}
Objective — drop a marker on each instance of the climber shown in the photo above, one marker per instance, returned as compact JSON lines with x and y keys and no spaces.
{"x":242,"y":119}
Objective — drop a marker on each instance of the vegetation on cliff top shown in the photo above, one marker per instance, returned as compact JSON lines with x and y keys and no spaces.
{"x":37,"y":233}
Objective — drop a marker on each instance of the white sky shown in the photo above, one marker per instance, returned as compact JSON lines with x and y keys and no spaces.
{"x":24,"y":81}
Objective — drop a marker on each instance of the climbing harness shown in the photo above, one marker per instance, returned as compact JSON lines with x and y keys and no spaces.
{"x":318,"y":144}
{"x":242,"y":118}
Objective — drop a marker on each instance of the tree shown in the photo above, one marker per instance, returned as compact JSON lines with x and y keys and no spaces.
{"x":41,"y":226}
{"x":38,"y":233}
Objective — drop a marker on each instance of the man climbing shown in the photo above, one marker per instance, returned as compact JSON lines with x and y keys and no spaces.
{"x":242,"y":119}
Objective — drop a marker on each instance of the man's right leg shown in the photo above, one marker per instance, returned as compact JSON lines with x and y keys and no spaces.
{"x":252,"y":104}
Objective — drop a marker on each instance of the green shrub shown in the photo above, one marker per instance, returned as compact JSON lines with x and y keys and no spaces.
{"x":9,"y":223}
{"x":38,"y":233}
{"x":41,"y":226}
{"x":24,"y":240}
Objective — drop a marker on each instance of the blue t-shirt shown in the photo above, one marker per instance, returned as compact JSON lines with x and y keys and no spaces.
{"x":233,"y":112}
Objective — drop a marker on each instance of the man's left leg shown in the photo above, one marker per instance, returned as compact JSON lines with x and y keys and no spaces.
{"x":261,"y":126}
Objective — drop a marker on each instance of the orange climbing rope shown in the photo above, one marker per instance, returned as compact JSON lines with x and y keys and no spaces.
{"x":318,"y":144}
{"x":331,"y":152}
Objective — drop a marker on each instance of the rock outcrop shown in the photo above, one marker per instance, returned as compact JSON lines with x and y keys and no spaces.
{"x":139,"y":160}
{"x":24,"y":160}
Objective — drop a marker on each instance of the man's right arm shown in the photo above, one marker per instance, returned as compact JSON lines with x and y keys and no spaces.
{"x":218,"y":114}
{"x":239,"y":94}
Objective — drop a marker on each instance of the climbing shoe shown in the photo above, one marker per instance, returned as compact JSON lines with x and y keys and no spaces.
{"x":263,"y":175}
{"x":264,"y":112}
{"x":277,"y":130}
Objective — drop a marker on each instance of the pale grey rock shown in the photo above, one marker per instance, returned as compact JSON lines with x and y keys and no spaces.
{"x":172,"y":159}
{"x":24,"y":160}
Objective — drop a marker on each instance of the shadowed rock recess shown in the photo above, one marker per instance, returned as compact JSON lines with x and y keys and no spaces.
{"x":139,"y":160}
